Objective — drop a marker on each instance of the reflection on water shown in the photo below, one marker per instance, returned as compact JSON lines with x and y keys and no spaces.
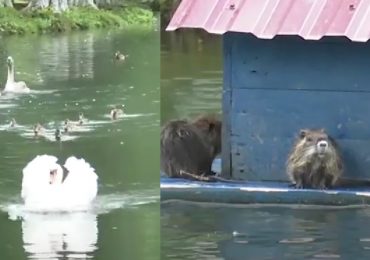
{"x":71,"y":74}
{"x":71,"y":235}
{"x":204,"y":231}
{"x":60,"y":235}
{"x":191,"y":78}
{"x":191,"y":74}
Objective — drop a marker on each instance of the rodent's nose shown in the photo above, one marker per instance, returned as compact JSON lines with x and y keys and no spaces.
{"x":323,"y":144}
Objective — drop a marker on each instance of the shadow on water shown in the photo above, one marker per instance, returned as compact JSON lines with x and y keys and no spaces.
{"x":71,"y":74}
{"x":191,"y":78}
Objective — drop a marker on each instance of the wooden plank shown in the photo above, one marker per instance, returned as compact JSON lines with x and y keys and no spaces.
{"x":265,"y":122}
{"x":334,"y":64}
{"x":259,"y":193}
{"x":226,"y":107}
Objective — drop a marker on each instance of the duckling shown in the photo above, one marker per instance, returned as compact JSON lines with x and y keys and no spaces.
{"x":12,"y":123}
{"x":81,"y":119}
{"x":68,"y":126}
{"x":58,"y":134}
{"x":115,"y":112}
{"x":119,"y":56}
{"x":38,"y":129}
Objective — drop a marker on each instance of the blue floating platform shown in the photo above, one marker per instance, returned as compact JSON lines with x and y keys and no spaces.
{"x":259,"y":193}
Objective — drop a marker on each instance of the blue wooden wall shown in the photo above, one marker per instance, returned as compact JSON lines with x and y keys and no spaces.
{"x":273,"y":88}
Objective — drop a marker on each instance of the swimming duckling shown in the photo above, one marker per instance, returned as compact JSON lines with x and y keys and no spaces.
{"x":115,"y":112}
{"x":119,"y":56}
{"x":68,"y":126}
{"x":58,"y":134}
{"x":12,"y":123}
{"x":81,"y":119}
{"x":38,"y":129}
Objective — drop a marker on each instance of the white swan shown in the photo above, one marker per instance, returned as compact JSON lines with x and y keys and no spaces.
{"x":43,"y":187}
{"x":11,"y":85}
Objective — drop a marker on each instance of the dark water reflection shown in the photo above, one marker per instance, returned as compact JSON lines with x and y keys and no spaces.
{"x":220,"y":232}
{"x":191,"y":79}
{"x":69,"y":74}
{"x":191,"y":74}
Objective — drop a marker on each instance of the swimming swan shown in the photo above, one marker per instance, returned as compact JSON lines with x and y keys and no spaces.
{"x":11,"y":85}
{"x":45,"y":189}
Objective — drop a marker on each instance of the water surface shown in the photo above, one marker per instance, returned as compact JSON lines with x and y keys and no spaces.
{"x":69,"y":74}
{"x":205,"y":231}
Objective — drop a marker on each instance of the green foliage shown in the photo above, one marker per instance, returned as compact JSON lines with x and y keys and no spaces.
{"x":165,"y":7}
{"x":45,"y":20}
{"x":135,"y":15}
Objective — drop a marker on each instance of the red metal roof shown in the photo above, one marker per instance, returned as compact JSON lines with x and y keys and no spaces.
{"x":311,"y":19}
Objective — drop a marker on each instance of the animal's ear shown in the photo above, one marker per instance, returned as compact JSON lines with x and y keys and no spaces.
{"x":322,"y":130}
{"x":302,"y":133}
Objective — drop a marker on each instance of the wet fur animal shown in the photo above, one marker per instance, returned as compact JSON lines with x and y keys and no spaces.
{"x":188,"y":148}
{"x":315,"y":160}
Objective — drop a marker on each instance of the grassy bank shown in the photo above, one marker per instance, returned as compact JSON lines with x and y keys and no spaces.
{"x":45,"y":21}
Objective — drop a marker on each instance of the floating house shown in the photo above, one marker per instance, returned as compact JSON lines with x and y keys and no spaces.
{"x":288,"y":65}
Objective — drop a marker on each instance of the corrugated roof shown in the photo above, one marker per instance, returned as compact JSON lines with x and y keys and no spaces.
{"x":311,"y":19}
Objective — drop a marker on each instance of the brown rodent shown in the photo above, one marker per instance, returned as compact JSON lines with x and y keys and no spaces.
{"x":188,"y":148}
{"x":315,"y":160}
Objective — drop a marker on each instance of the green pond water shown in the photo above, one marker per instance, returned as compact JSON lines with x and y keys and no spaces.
{"x":191,"y":78}
{"x":69,"y":74}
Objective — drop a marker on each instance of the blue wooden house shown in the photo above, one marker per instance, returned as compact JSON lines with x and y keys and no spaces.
{"x":287,"y":65}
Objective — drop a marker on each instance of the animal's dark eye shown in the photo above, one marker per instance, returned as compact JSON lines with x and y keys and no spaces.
{"x":309,"y":139}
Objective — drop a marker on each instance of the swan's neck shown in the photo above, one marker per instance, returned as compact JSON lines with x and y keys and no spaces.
{"x":10,"y":73}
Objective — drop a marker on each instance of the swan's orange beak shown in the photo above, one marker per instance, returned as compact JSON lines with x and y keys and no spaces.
{"x":53,"y":174}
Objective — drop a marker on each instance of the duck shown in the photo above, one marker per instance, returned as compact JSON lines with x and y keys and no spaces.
{"x":49,"y":186}
{"x":38,"y":130}
{"x":116,"y":112}
{"x":81,"y":119}
{"x":58,"y":135}
{"x":68,"y":126}
{"x":12,"y":85}
{"x":12,"y":123}
{"x":119,"y":56}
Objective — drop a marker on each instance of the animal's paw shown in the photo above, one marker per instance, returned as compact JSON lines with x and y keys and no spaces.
{"x":298,"y":186}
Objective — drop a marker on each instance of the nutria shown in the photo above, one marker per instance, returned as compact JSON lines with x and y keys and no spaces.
{"x":315,"y":160}
{"x":188,"y":148}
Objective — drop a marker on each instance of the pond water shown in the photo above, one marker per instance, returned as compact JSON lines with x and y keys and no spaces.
{"x":70,"y":74}
{"x":191,"y":78}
